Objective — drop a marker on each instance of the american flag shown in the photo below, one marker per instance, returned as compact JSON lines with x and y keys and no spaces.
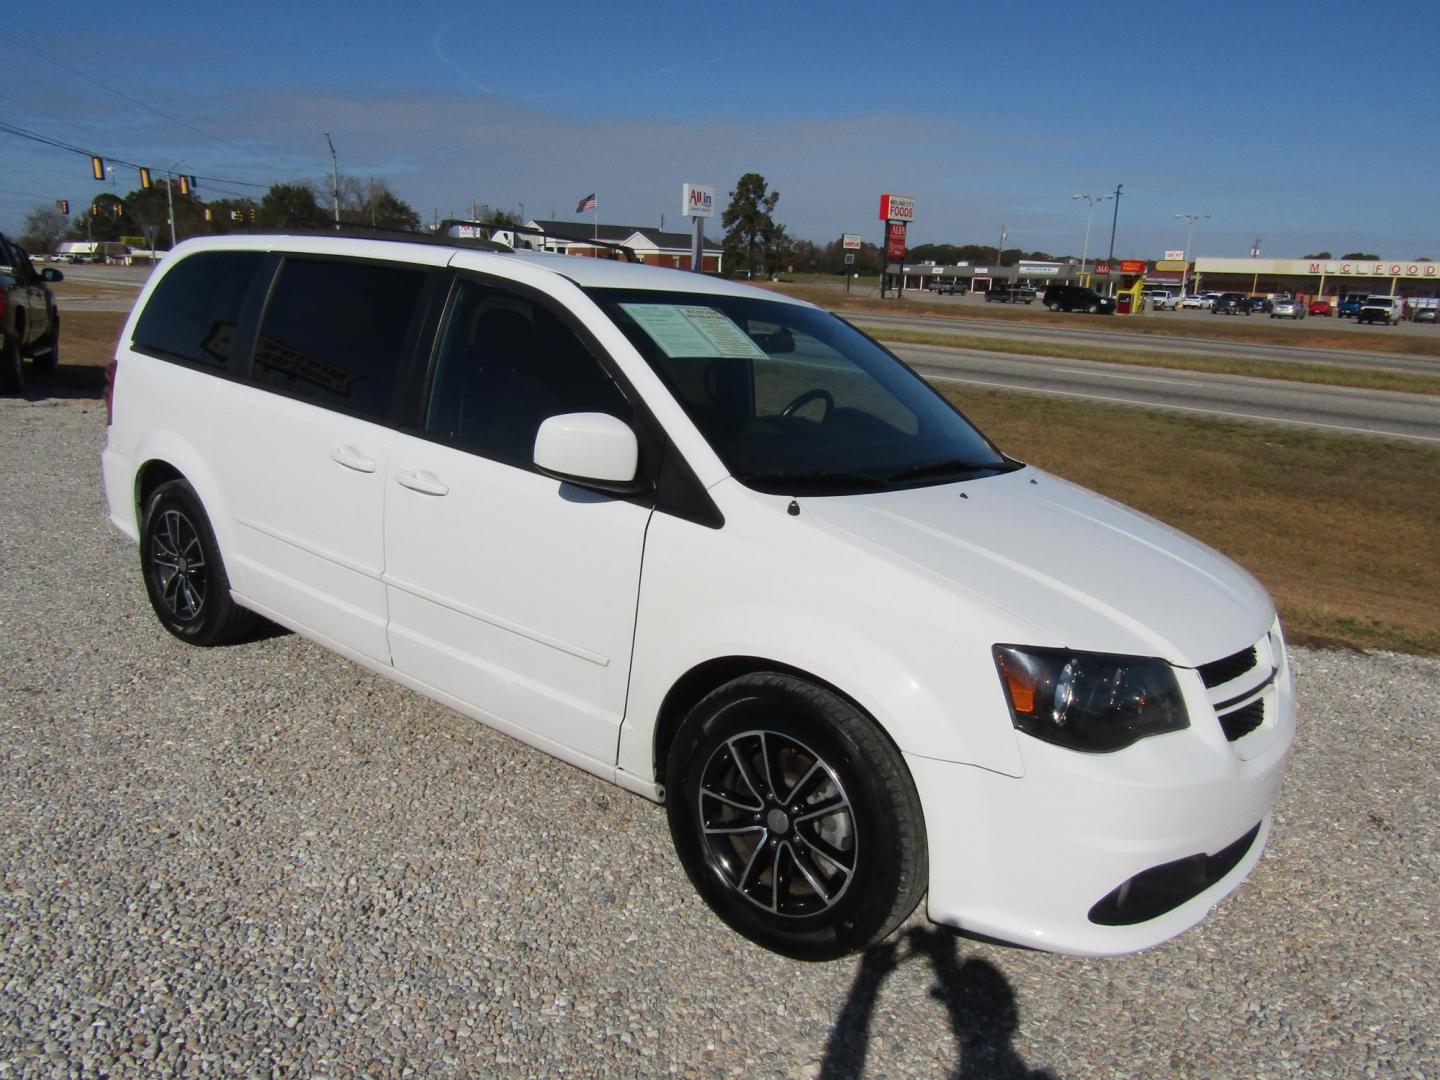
{"x":586,"y":204}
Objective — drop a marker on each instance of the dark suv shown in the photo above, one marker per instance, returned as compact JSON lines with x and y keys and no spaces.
{"x":1078,"y":298}
{"x":1232,"y":303}
{"x":29,"y":325}
{"x":951,"y":287}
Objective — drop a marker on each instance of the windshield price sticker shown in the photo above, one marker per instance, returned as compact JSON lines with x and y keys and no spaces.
{"x":692,"y":331}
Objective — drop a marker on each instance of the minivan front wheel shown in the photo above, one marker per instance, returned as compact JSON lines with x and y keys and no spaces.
{"x":795,"y":817}
{"x":184,"y":575}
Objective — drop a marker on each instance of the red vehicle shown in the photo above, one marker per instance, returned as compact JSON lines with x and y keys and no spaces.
{"x":1321,"y":307}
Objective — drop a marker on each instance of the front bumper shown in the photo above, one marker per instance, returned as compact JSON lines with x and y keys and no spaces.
{"x":1074,"y":856}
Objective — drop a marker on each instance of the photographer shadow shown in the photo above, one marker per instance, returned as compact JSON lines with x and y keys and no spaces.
{"x":977,"y":997}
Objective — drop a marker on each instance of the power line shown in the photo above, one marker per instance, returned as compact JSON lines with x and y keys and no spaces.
{"x":46,"y":140}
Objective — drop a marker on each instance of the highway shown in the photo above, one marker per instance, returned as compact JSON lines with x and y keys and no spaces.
{"x":1411,"y":417}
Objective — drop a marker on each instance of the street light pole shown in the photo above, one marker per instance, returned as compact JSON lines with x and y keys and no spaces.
{"x":1114,"y":221}
{"x":170,"y":199}
{"x":1189,"y":235}
{"x":1090,"y":200}
{"x":334,"y":180}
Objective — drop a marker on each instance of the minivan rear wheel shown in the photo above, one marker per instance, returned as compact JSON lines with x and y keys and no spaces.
{"x":795,"y":817}
{"x":184,"y":575}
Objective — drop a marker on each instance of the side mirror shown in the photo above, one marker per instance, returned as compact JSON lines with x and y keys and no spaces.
{"x":593,"y":450}
{"x":51,"y":274}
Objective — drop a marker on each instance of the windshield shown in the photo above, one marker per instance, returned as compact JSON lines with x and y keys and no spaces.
{"x":796,"y":401}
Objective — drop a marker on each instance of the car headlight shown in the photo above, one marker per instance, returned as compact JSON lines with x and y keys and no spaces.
{"x":1093,"y":702}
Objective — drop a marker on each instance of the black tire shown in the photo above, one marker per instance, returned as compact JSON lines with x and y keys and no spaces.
{"x":46,"y":357}
{"x":12,"y":368}
{"x":830,"y":882}
{"x":183,"y":572}
{"x":1053,"y":306}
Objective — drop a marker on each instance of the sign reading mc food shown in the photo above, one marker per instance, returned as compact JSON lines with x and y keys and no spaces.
{"x":897,"y":208}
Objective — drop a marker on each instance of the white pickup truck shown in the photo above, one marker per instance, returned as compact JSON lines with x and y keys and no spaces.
{"x":1161,"y":299}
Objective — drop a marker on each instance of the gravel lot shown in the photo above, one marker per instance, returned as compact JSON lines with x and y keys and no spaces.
{"x":261,"y":860}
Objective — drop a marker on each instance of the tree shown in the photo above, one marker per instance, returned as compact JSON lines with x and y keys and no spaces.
{"x":289,"y":206}
{"x":1359,"y":255}
{"x":747,"y":221}
{"x":371,"y":202}
{"x":1320,"y":255}
{"x":42,"y":230}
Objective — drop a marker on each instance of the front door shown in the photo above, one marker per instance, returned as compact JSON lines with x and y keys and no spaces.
{"x":511,"y":592}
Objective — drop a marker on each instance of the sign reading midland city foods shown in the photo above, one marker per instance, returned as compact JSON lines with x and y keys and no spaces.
{"x":897,"y":208}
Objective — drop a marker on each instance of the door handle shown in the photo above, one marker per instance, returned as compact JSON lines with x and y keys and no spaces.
{"x":352,"y":459}
{"x":427,"y":483}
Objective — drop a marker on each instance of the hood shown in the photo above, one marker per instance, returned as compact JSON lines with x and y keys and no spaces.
{"x":1083,"y":569}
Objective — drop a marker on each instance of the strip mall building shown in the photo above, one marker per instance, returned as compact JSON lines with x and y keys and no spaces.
{"x":1312,"y":278}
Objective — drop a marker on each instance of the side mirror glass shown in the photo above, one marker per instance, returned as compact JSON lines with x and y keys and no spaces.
{"x":51,"y":274}
{"x":594,"y":450}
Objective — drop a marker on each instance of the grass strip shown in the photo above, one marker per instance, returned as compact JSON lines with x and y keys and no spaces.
{"x":1321,"y":374}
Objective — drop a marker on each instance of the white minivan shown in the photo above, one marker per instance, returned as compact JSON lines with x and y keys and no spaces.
{"x":720,"y":548}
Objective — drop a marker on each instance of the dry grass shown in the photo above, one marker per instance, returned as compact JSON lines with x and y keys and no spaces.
{"x":1256,"y":330}
{"x":1343,"y":531}
{"x":1325,"y":375}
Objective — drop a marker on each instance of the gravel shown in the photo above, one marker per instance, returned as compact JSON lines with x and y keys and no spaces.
{"x":262,"y":860}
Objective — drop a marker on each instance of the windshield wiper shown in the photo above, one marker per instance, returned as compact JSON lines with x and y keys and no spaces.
{"x":949,"y":468}
{"x":787,"y":483}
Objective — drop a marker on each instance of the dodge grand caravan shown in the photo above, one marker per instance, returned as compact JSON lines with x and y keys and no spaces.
{"x":716,"y":546}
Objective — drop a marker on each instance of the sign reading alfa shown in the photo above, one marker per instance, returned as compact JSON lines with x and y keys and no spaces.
{"x":895,"y":240}
{"x":697,"y":201}
{"x":850,"y":241}
{"x":897,"y":208}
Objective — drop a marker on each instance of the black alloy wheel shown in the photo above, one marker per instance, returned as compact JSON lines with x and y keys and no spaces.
{"x":184,"y":575}
{"x":795,"y":817}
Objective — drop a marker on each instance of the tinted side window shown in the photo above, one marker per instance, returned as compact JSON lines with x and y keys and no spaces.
{"x":334,"y":332}
{"x":505,"y":365}
{"x":193,"y":311}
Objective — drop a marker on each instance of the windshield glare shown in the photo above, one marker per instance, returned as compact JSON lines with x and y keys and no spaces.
{"x":796,"y":401}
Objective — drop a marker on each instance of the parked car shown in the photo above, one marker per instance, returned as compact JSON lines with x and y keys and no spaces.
{"x":1007,"y":293}
{"x":870,"y":657}
{"x":1349,"y":307}
{"x":1161,"y":299}
{"x":951,"y":286}
{"x":1231,"y":303}
{"x":1425,"y":309}
{"x":1287,"y":307}
{"x":1078,"y":298}
{"x":29,"y":323}
{"x":1261,"y":305}
{"x":1321,"y":307}
{"x":1381,"y":309}
{"x":1197,"y":301}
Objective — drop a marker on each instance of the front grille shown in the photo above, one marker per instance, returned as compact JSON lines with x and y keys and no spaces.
{"x":1160,"y":889}
{"x":1242,"y":721}
{"x":1218,"y":672}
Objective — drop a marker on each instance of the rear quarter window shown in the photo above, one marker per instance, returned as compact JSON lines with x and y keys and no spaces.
{"x":192,"y":314}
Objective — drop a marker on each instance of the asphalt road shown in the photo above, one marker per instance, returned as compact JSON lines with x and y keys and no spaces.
{"x":1343,"y":410}
{"x":264,"y":861}
{"x":1040,"y":335}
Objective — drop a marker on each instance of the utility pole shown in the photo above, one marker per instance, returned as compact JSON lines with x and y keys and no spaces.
{"x":170,"y":199}
{"x":1114,"y":221}
{"x":334,"y":180}
{"x":1189,"y":235}
{"x":1090,"y":200}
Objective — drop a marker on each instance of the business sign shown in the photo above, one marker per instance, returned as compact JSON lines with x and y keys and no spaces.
{"x":1102,"y":268}
{"x":1038,"y":269}
{"x":1174,"y":256}
{"x":697,"y":201}
{"x":1171,"y":265}
{"x":850,"y":241}
{"x":1132,"y":266}
{"x":897,"y":208}
{"x":895,"y":240}
{"x":849,"y":258}
{"x":1376,"y":269}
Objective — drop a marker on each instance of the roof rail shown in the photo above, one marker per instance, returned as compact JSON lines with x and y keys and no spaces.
{"x":356,"y":231}
{"x":622,"y":252}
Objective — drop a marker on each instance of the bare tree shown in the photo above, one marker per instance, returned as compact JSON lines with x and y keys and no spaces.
{"x":42,"y":230}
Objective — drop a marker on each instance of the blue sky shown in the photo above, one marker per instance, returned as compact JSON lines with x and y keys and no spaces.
{"x":1299,"y":123}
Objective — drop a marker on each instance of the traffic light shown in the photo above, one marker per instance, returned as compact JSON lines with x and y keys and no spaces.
{"x":252,"y":215}
{"x":97,"y":166}
{"x":94,"y":209}
{"x":63,"y":205}
{"x":208,"y":215}
{"x":235,"y":215}
{"x":184,"y":185}
{"x":119,"y":209}
{"x":144,"y":177}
